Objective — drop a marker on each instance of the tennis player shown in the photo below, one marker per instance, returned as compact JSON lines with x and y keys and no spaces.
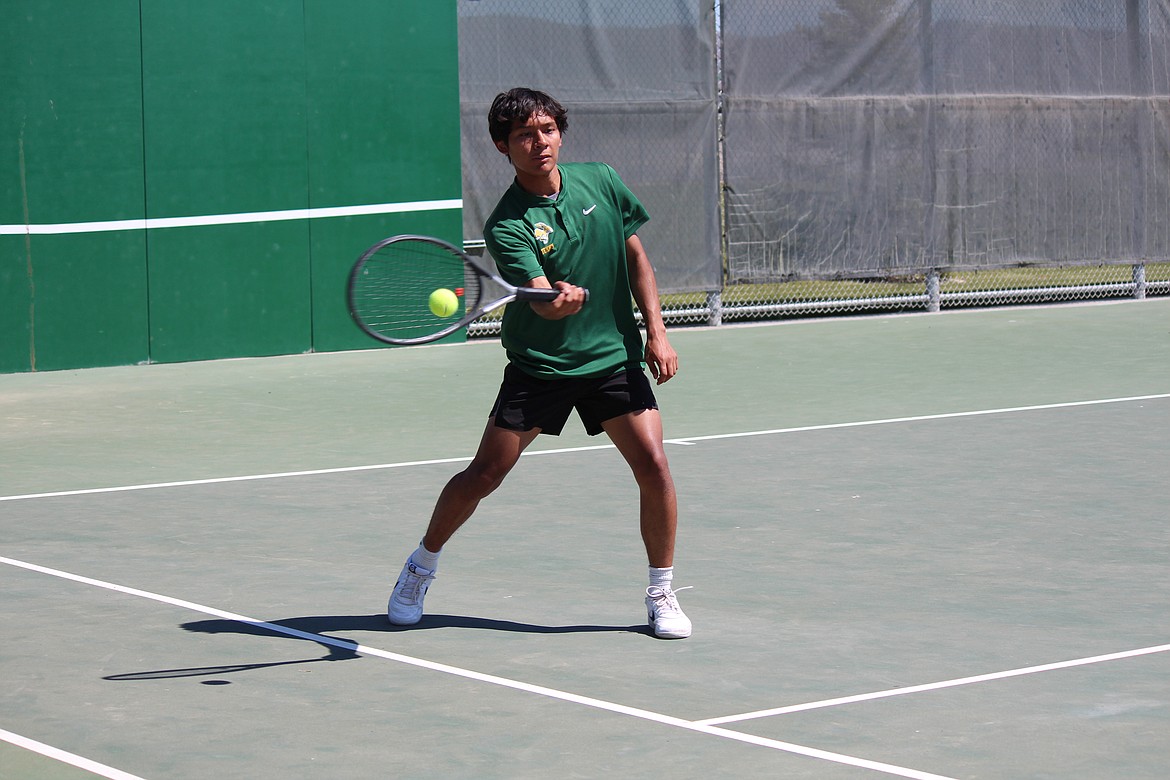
{"x":568,"y":226}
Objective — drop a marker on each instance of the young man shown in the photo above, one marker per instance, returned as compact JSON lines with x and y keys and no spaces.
{"x":568,"y":226}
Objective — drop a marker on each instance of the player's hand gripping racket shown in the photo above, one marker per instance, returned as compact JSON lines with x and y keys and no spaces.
{"x":391,"y":287}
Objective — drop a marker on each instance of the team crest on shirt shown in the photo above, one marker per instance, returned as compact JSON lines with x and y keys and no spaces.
{"x":543,"y":233}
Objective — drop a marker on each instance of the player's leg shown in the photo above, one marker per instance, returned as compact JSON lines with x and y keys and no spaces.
{"x":638,"y":437}
{"x":499,"y":449}
{"x":524,"y":408}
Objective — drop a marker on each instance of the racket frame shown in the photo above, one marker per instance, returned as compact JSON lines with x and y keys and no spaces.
{"x":477,"y":307}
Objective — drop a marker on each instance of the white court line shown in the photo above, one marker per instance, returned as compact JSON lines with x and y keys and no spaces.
{"x":677,"y":440}
{"x":936,"y":685}
{"x":65,"y":757}
{"x":927,"y":417}
{"x":540,"y":690}
{"x":219,"y":480}
{"x":229,"y":219}
{"x":283,"y":475}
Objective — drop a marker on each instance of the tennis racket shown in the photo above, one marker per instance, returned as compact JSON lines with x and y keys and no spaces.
{"x":390,"y":288}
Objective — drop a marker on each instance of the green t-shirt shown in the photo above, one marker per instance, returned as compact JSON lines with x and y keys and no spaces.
{"x":578,"y":237}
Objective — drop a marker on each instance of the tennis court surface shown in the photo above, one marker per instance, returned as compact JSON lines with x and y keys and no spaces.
{"x":920,"y":546}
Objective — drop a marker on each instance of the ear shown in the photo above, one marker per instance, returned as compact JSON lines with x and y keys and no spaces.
{"x":502,"y":146}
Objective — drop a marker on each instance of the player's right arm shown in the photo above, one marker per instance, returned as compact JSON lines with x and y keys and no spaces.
{"x":513,"y":249}
{"x":569,"y":302}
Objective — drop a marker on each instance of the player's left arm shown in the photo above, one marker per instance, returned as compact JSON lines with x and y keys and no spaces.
{"x":661,"y":358}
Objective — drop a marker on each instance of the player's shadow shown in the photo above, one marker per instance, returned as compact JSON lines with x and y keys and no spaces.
{"x":323,"y":624}
{"x":328,"y":625}
{"x":321,"y":629}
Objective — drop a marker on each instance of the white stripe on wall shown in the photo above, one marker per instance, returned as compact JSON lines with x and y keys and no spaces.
{"x":229,"y":219}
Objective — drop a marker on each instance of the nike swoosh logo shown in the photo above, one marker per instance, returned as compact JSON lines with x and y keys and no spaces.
{"x":588,"y":211}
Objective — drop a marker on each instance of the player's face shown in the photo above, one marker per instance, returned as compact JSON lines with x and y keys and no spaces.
{"x":533,"y":146}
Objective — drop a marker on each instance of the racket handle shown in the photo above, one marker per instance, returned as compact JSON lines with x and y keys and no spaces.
{"x":541,"y":294}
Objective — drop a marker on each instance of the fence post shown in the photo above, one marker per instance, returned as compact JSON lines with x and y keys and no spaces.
{"x":715,"y":297}
{"x":933,"y":291}
{"x":715,"y":308}
{"x":1139,"y":281}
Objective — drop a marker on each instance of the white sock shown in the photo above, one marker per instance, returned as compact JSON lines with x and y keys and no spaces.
{"x":425,"y":558}
{"x":661,"y":578}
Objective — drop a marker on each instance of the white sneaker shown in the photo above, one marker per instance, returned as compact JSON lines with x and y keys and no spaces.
{"x":406,"y":600}
{"x":664,"y":614}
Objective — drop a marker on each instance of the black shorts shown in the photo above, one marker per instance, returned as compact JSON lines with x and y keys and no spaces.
{"x":526,"y":402}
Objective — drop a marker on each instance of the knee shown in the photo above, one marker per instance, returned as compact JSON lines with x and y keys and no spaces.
{"x":653,"y":470}
{"x":482,"y":479}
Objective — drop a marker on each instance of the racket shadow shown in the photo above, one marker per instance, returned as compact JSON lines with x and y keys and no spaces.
{"x":219,"y":671}
{"x":326,"y":626}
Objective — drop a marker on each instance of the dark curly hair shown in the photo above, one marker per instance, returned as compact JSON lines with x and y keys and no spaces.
{"x":519,"y":104}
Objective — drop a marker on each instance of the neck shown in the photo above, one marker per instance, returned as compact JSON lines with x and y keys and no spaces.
{"x":546,"y":185}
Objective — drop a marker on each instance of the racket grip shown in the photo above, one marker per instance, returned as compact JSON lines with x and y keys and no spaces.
{"x":541,"y":294}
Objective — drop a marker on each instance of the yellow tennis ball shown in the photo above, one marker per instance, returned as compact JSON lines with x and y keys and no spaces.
{"x":443,"y":302}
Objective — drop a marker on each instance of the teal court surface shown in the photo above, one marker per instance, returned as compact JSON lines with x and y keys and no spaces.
{"x":919,"y":546}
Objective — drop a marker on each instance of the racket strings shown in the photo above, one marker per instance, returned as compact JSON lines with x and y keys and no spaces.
{"x":391,"y":289}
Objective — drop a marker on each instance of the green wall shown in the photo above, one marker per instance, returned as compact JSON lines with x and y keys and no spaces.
{"x":157,"y":109}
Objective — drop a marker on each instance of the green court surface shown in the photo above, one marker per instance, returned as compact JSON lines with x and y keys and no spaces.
{"x":920,"y":546}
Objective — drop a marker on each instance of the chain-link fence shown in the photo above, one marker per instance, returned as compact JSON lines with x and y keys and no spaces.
{"x":810,"y":156}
